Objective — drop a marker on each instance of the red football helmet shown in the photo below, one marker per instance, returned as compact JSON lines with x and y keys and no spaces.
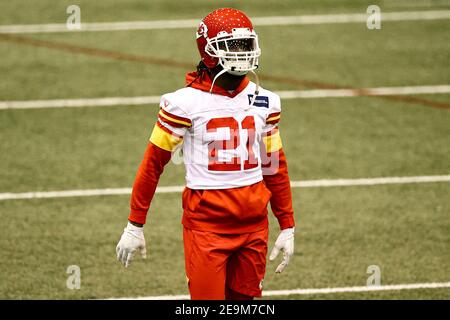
{"x":226,"y":37}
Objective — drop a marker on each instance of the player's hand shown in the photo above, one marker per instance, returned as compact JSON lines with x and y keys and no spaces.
{"x":285,"y":243}
{"x":132,"y":240}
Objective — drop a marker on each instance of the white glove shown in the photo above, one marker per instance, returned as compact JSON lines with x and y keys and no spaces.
{"x":285,"y":242}
{"x":132,"y":239}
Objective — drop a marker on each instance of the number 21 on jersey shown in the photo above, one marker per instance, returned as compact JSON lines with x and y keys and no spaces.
{"x":234,"y":141}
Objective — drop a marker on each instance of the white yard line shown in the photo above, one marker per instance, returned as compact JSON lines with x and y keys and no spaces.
{"x":294,"y":94}
{"x":76,"y":103}
{"x":271,"y":293}
{"x":176,"y":189}
{"x":368,"y":181}
{"x":381,"y":91}
{"x":257,"y":21}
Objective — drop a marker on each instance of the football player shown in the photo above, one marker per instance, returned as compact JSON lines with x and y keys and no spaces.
{"x":227,"y":127}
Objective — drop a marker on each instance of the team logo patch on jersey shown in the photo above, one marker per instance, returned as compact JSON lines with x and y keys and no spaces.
{"x":260,"y":101}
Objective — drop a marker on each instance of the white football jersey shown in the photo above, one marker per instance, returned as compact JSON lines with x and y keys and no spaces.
{"x":221,"y":135}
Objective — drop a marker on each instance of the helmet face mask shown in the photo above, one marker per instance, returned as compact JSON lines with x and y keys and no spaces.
{"x":226,"y":38}
{"x":237,"y":52}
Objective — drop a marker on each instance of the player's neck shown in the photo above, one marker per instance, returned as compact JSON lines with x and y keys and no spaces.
{"x":226,"y":81}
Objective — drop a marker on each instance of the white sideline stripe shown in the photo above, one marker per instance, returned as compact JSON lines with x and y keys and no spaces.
{"x":294,"y":94}
{"x":174,"y":189}
{"x":271,"y":293}
{"x":257,"y":21}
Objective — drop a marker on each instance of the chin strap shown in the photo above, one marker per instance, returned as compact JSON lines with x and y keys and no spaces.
{"x":215,"y":78}
{"x":256,"y":82}
{"x":256,"y":89}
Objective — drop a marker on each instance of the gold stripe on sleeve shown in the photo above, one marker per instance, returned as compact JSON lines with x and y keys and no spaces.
{"x":163,"y":139}
{"x":273,"y":142}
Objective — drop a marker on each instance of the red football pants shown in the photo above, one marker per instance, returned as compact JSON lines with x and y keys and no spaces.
{"x":217,"y":264}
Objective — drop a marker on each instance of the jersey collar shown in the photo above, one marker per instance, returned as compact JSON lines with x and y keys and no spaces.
{"x":204,"y":83}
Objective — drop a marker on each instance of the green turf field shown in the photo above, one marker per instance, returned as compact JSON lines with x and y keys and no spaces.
{"x":404,"y":228}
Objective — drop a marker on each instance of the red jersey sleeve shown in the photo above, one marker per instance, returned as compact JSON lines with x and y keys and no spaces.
{"x":166,"y":136}
{"x":147,"y":177}
{"x":275,"y":169}
{"x":278,"y":182}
